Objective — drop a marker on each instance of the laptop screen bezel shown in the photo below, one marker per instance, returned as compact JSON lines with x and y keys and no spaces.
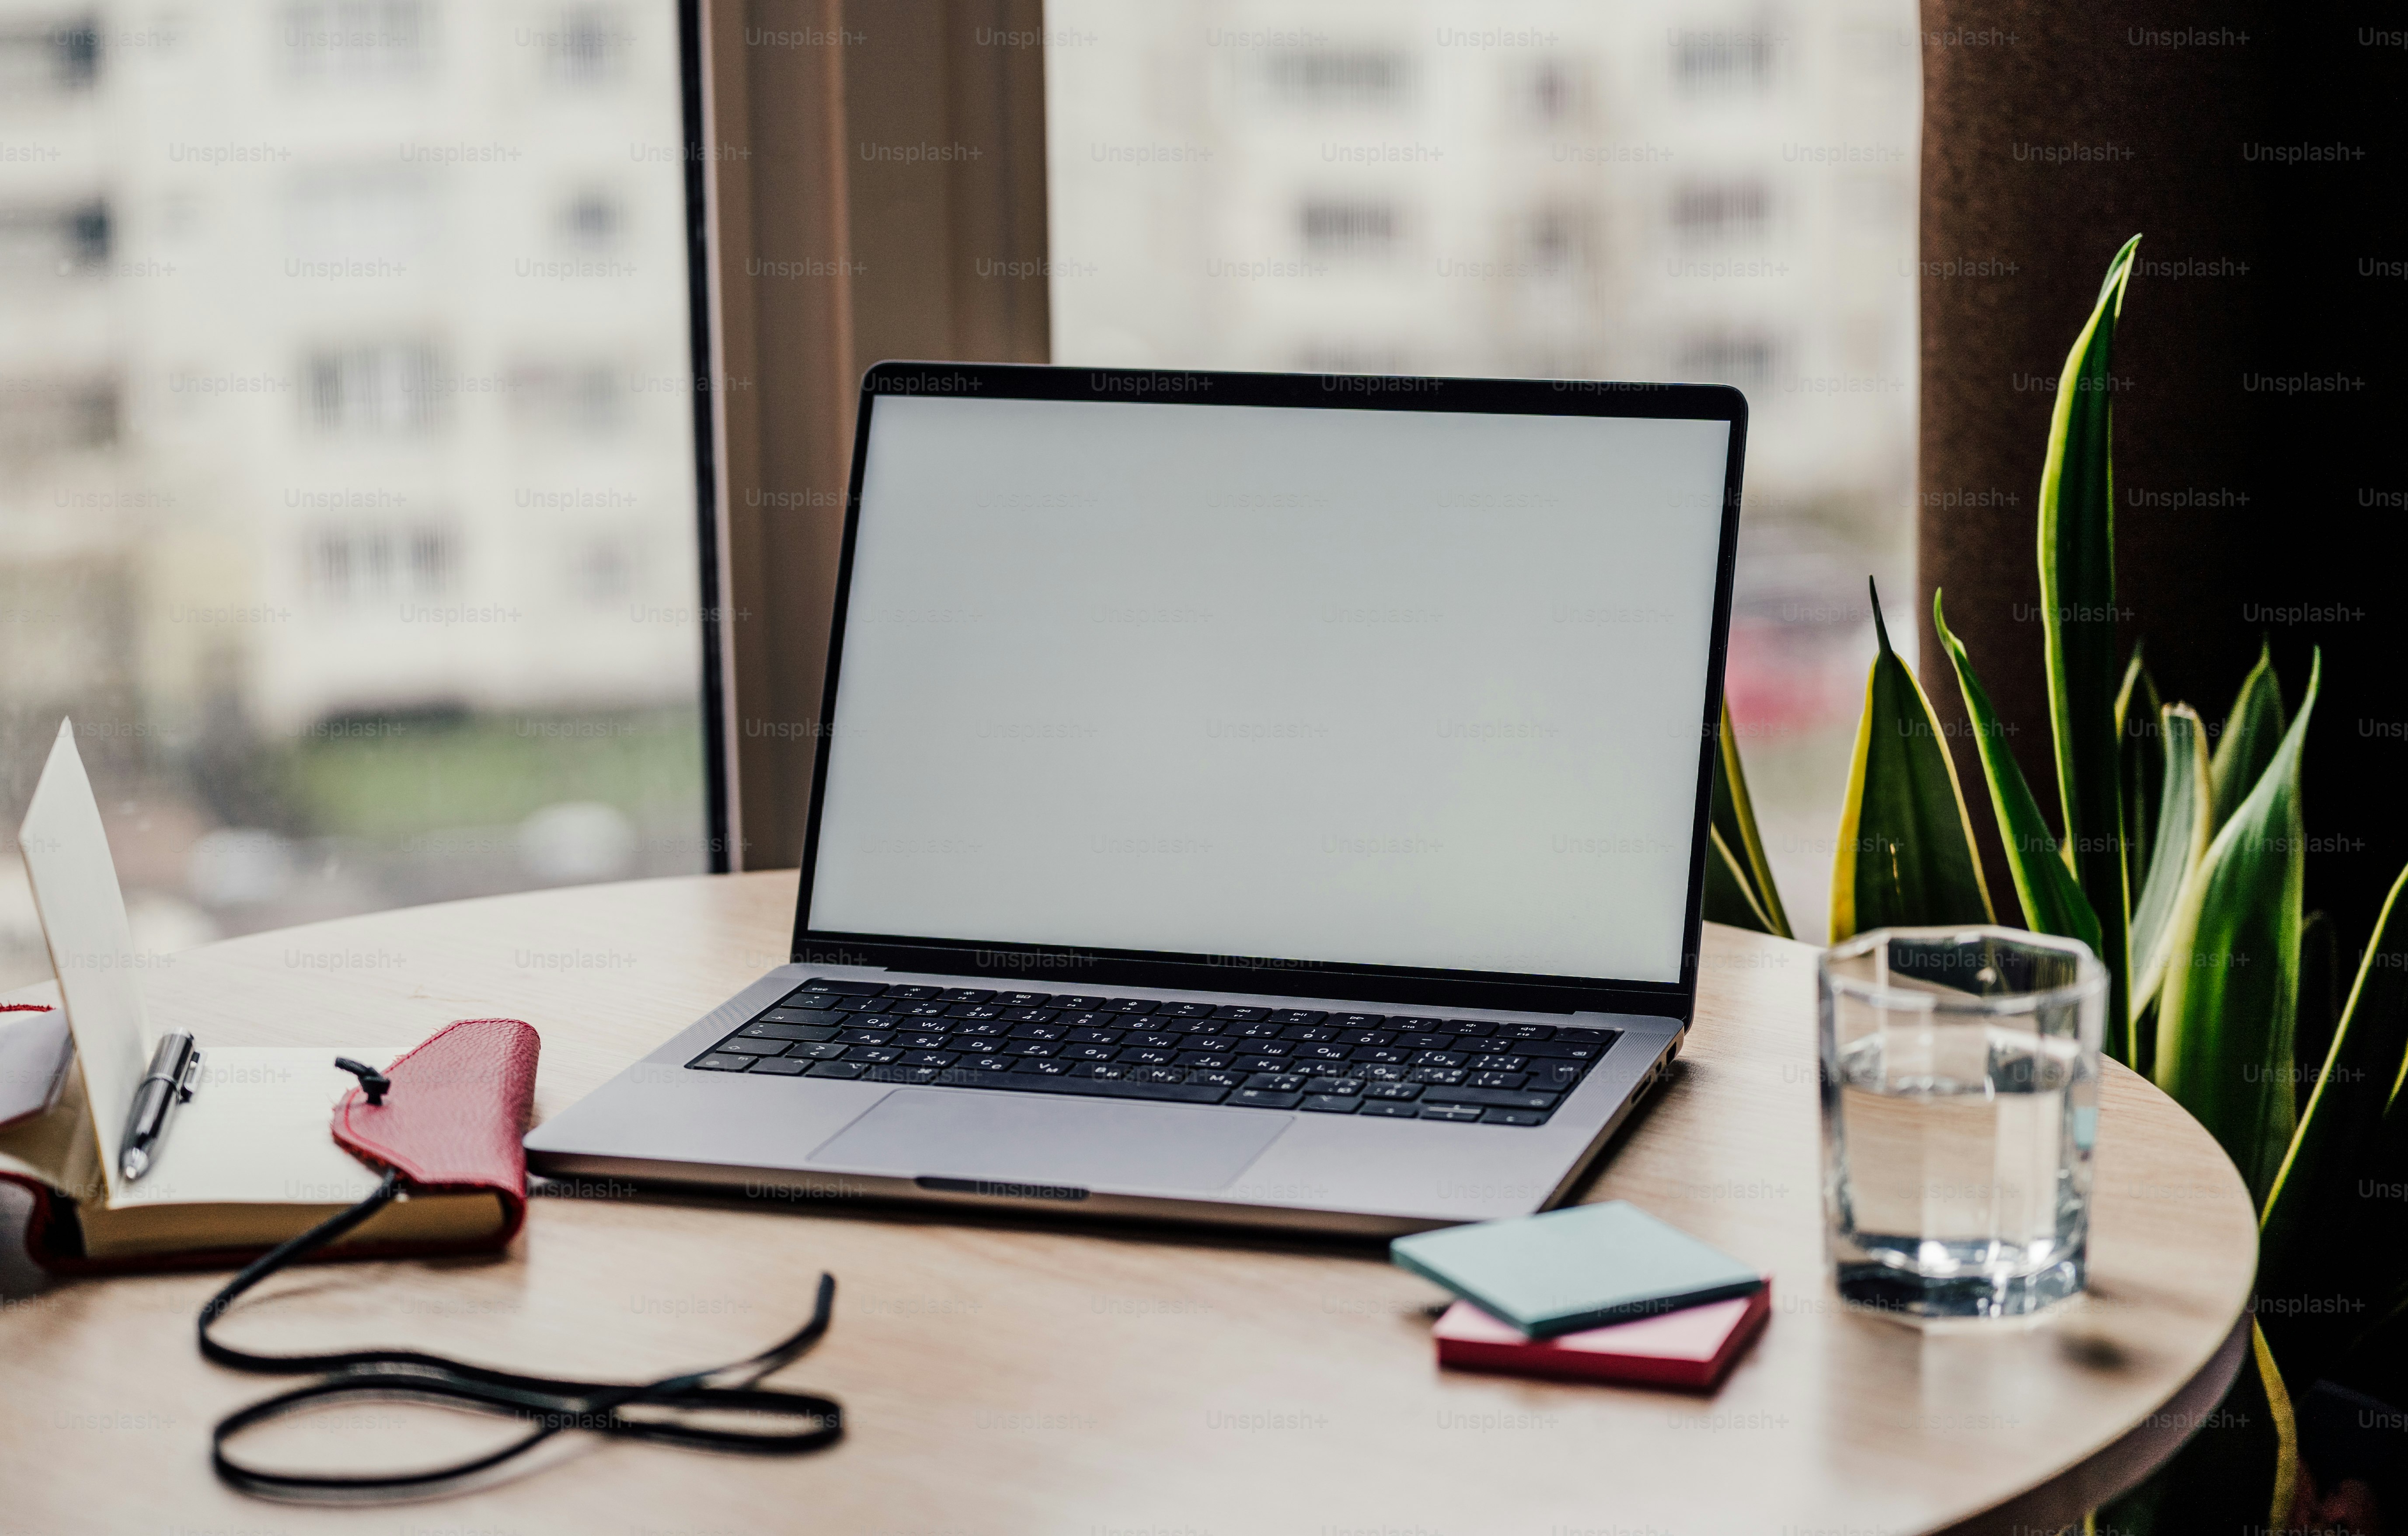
{"x":1045,"y":967}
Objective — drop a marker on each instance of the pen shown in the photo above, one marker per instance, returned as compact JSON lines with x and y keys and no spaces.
{"x":175,"y":1066}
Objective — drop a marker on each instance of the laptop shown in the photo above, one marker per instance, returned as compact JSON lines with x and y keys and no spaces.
{"x":1257,"y":800}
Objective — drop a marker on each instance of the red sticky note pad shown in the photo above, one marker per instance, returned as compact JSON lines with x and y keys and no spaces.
{"x":1692,"y":1347}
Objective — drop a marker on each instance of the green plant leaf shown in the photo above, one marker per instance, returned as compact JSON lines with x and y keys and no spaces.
{"x":2185,"y":810}
{"x":1906,"y":848}
{"x":2313,"y":1240}
{"x":1728,"y":898}
{"x":2250,"y":734}
{"x":2228,"y":1004}
{"x":2053,"y":903}
{"x":2078,"y":597}
{"x":1734,"y":820}
{"x":2141,"y":759}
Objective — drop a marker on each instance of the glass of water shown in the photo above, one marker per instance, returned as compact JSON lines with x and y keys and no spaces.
{"x":1960,"y":1101}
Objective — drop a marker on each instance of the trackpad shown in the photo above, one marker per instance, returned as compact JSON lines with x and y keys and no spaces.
{"x":1079,"y":1142}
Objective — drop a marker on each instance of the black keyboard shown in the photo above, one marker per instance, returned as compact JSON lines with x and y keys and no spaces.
{"x":1401,"y":1065}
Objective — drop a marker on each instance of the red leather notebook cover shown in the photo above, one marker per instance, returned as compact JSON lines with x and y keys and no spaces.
{"x":1691,"y":1348}
{"x":451,"y":1124}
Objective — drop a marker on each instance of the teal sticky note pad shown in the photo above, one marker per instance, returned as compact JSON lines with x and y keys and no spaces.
{"x":1575,"y":1269}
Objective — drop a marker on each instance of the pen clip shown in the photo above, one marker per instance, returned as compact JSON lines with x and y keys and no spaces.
{"x":192,"y":1079}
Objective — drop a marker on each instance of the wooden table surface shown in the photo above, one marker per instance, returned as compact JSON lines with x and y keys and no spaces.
{"x":1004,"y":1378}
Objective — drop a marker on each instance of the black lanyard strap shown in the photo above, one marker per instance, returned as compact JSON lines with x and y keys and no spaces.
{"x":547,"y":1404}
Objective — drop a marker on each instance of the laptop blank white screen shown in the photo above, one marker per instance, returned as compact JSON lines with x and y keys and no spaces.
{"x":1366,"y":687}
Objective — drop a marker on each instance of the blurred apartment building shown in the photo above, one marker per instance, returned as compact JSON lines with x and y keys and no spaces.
{"x":1696,"y":190}
{"x":343,"y":351}
{"x":347,"y":498}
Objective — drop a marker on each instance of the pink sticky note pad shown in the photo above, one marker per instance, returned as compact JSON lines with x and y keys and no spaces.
{"x":1691,"y":1348}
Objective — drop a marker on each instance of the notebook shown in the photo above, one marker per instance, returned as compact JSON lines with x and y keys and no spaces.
{"x":1691,"y":1348}
{"x":253,"y":1157}
{"x":1579,"y":1268}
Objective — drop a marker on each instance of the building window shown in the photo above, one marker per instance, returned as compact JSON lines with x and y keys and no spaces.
{"x":1325,"y":77}
{"x":352,"y":566}
{"x":592,"y":220}
{"x":358,"y":41}
{"x":1744,"y":358}
{"x":586,"y":46}
{"x":57,"y":56}
{"x":1336,"y":226}
{"x":1722,"y":58}
{"x":390,"y":388}
{"x":1713,"y":211}
{"x":53,"y":241}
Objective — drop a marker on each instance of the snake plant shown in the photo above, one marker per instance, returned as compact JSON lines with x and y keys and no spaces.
{"x":2180,"y":865}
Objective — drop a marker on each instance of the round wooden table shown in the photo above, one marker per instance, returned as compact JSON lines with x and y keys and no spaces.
{"x":1007,"y":1377}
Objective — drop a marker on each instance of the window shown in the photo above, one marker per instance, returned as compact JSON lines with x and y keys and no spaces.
{"x":1685,"y":190}
{"x":351,"y":510}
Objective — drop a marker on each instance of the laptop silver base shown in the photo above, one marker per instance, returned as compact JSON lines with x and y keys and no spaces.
{"x":800,"y":1141}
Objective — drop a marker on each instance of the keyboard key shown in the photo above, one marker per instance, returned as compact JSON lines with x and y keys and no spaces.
{"x":1310,"y":1031}
{"x":1330,"y":1104}
{"x":1269,"y":1047}
{"x":1036,"y":1049}
{"x":932,"y":1009}
{"x":1023,"y":1000}
{"x":720,"y":1061}
{"x":964,"y":995}
{"x":1393,"y":1055}
{"x":1405,"y":1024}
{"x":1359,"y":1021}
{"x":1101,"y":1068}
{"x":1433,"y":1074}
{"x":1498,"y":1080}
{"x":1078,"y":1002}
{"x":818,"y":1051}
{"x":1038,"y":1031}
{"x":865,"y":1005}
{"x":1089,"y":1050}
{"x":1389,"y":1107}
{"x":1365,"y":1036}
{"x":1379,"y":1071}
{"x":742,"y":1047}
{"x":1186,"y":1011}
{"x":1392,"y":1091}
{"x":1031,"y":1016}
{"x":1528,"y":1031}
{"x":865,"y":1037}
{"x":1555,"y":1074}
{"x":1182,"y":1093}
{"x":1211,"y":1042}
{"x":1242,"y":1015}
{"x":1258,"y":1064}
{"x":921,"y":1042}
{"x":1131,"y":1005}
{"x":1160,"y":1039}
{"x":1259,"y":1030}
{"x":990,"y":1063}
{"x":1586,"y":1037}
{"x":876,"y":1056}
{"x":1345,"y":1087}
{"x":1204,"y":1058}
{"x":1317,"y":1051}
{"x":808,"y":1002}
{"x":977,"y":1010}
{"x":1512,"y":1117}
{"x":1044,"y":1066}
{"x":787,"y":1031}
{"x":780,"y":1066}
{"x":1093,"y":1019}
{"x":795,"y":1015}
{"x":1276,"y":1082}
{"x":1501,"y":1064}
{"x":1498,"y":1099}
{"x":1296,"y":1015}
{"x":1473,"y":1028}
{"x":1424,"y":1042}
{"x":1076,"y":1035}
{"x":1146,"y":1056}
{"x":1263,"y":1098}
{"x":930,"y":1059}
{"x":1439,"y":1058}
{"x":1159,"y":1074}
{"x":993,"y":1027}
{"x":1557,"y":1049}
{"x":913,"y":993}
{"x":1218,"y":1078}
{"x":829,"y":983}
{"x":1463,"y":1114}
{"x":971,"y":1042}
{"x":837,"y":1068}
